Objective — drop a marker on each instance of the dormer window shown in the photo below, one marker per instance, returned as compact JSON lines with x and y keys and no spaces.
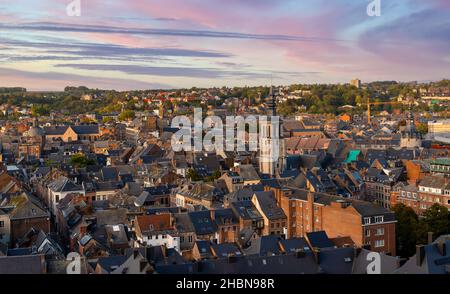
{"x":379,"y":219}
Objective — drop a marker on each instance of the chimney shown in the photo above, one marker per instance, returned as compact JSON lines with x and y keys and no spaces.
{"x":442,"y":248}
{"x":367,"y":247}
{"x":232,"y":258}
{"x":420,"y":254}
{"x":135,"y":253}
{"x":142,"y":265}
{"x":211,"y":213}
{"x":83,"y":229}
{"x":316,"y":252}
{"x":300,"y":253}
{"x":430,"y":237}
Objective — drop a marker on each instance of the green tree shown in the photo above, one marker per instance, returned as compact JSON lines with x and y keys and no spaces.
{"x":193,"y":175}
{"x":80,"y":160}
{"x":422,"y":128}
{"x":216,"y":174}
{"x":406,"y":230}
{"x":40,"y":110}
{"x":127,"y":115}
{"x":435,"y":219}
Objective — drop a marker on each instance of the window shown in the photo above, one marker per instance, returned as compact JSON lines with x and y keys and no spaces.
{"x":367,"y":233}
{"x":57,"y":198}
{"x":378,"y":219}
{"x":2,"y":224}
{"x":380,"y":231}
{"x":190,"y":239}
{"x":367,"y":220}
{"x":1,"y":236}
{"x":379,"y":243}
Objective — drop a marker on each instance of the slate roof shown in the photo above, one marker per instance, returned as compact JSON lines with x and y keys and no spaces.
{"x":239,"y":195}
{"x":111,"y":263}
{"x":281,"y":264}
{"x":248,"y":172}
{"x":246,"y":210}
{"x":86,"y":129}
{"x":433,"y":262}
{"x":55,"y":130}
{"x":183,"y":223}
{"x":226,"y":249}
{"x":28,"y":264}
{"x":264,"y":246}
{"x":30,"y":208}
{"x":202,"y":222}
{"x":269,"y":206}
{"x":294,"y":244}
{"x":319,"y":240}
{"x":204,"y":248}
{"x":336,"y":260}
{"x":388,"y":263}
{"x":63,"y":184}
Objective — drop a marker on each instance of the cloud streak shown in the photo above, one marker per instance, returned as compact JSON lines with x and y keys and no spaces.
{"x":59,"y":27}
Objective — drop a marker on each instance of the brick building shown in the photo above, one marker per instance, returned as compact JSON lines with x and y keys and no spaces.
{"x":273,"y":216}
{"x":364,"y":222}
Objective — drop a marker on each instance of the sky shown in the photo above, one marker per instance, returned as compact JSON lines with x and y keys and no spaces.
{"x":159,"y":44}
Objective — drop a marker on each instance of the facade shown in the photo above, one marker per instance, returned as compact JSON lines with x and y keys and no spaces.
{"x":438,"y":127}
{"x":72,"y":133}
{"x":273,"y":216}
{"x":434,"y":189}
{"x":364,"y":222}
{"x":440,"y":166}
{"x":157,"y":230}
{"x":59,"y":189}
{"x":5,"y":227}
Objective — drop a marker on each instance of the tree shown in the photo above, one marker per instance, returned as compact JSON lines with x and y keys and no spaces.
{"x":40,"y":110}
{"x":435,"y":219}
{"x":193,"y":175}
{"x":422,"y":128}
{"x":127,"y":115}
{"x":406,"y":228}
{"x":216,"y":174}
{"x":80,"y":160}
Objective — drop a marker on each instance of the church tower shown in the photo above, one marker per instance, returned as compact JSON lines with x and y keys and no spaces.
{"x":410,"y":137}
{"x":272,"y":150}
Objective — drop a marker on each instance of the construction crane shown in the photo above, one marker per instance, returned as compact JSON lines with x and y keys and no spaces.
{"x":369,"y":120}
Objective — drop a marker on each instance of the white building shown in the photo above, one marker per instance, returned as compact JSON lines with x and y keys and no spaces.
{"x":59,"y":189}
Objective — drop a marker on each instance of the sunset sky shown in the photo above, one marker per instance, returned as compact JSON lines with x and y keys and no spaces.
{"x":119,"y":44}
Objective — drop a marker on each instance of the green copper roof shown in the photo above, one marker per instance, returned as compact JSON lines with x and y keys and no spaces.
{"x":352,"y":156}
{"x":441,"y":161}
